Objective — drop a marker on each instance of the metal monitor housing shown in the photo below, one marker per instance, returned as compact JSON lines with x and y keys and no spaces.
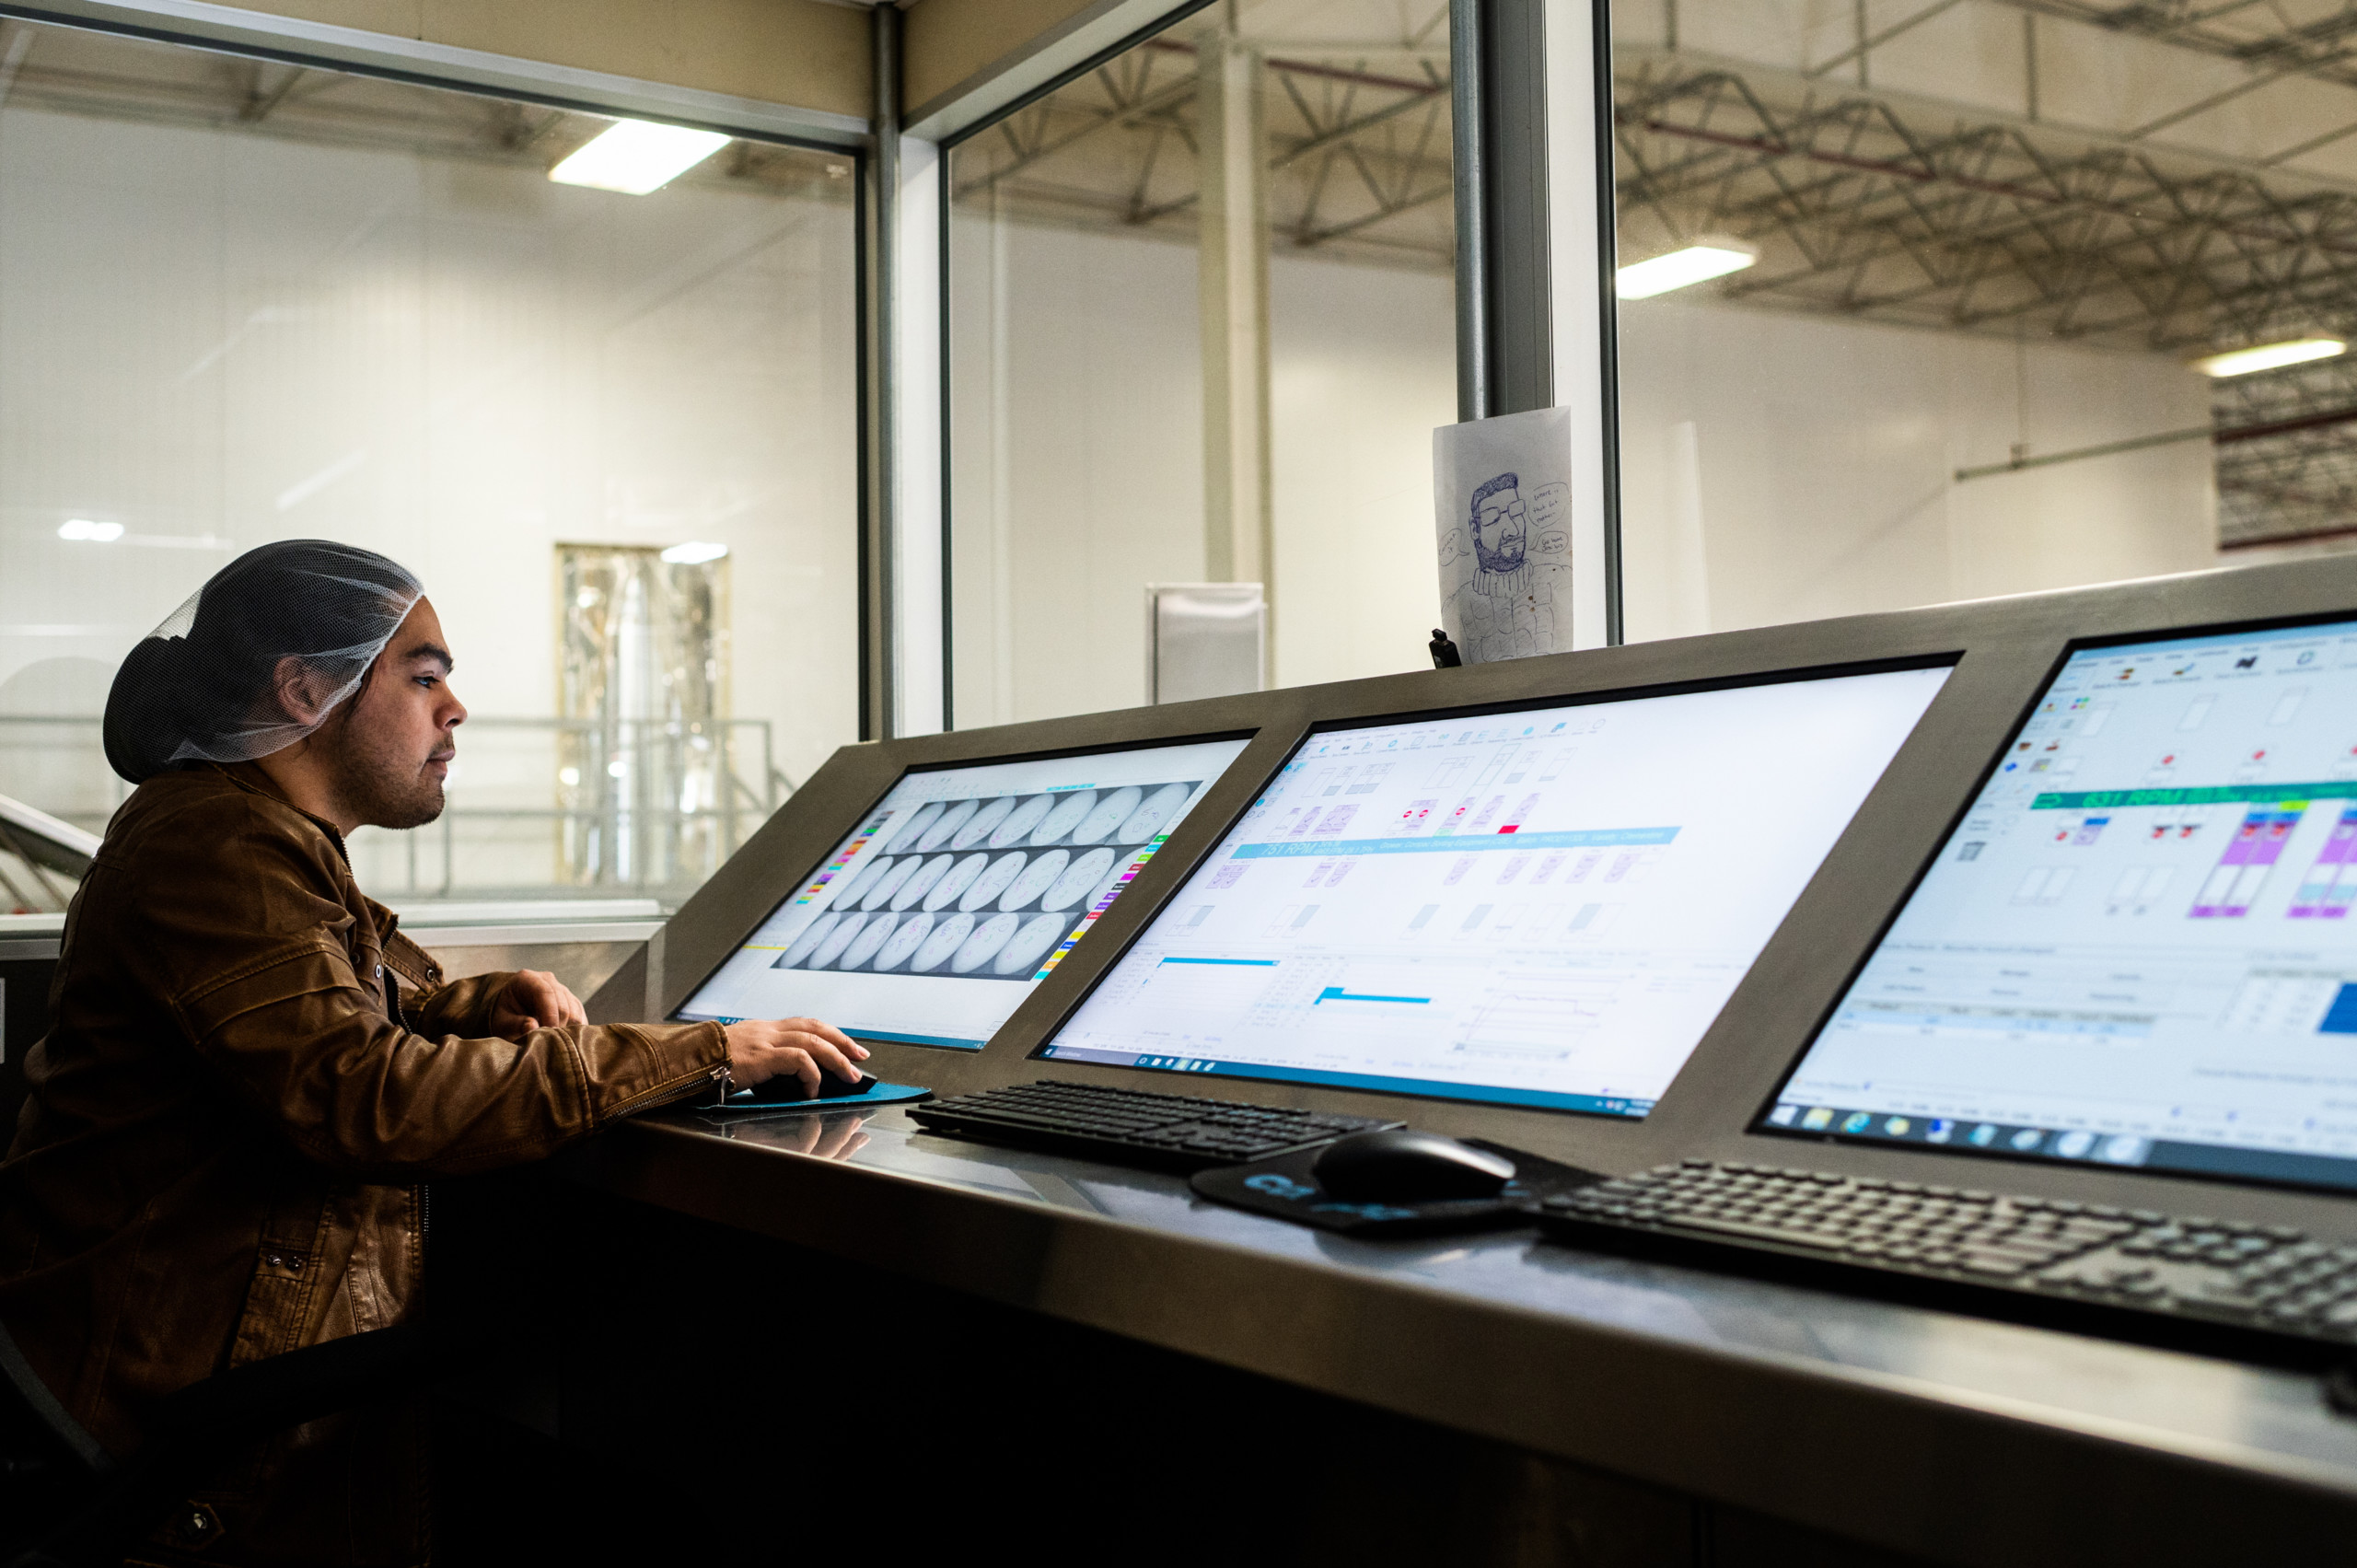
{"x":2004,"y":653}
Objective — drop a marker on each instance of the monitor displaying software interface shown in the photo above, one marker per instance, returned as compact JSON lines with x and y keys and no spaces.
{"x":958,"y":892}
{"x":1543,"y":907}
{"x":2137,"y":948}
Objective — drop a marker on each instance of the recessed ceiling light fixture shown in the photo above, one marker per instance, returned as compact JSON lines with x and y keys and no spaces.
{"x":1682,"y":269}
{"x":84,"y":528}
{"x":2270,"y":356}
{"x":695,"y":552}
{"x":635,"y":156}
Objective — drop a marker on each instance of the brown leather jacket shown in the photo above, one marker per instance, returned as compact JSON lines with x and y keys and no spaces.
{"x":231,"y":1124}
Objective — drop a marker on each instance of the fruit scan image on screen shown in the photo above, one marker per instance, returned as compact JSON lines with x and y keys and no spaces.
{"x":958,"y":892}
{"x":2138,"y":949}
{"x":1546,"y":907}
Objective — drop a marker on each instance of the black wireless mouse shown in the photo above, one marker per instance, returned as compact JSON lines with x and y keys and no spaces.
{"x":786,"y":1089}
{"x":1403,"y":1166}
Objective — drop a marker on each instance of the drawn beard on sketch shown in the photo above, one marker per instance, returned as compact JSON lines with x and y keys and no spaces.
{"x":1501,"y":530}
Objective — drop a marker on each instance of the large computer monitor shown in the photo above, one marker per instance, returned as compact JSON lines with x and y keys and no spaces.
{"x":959,"y":891}
{"x":1544,"y":905}
{"x":2136,"y":949}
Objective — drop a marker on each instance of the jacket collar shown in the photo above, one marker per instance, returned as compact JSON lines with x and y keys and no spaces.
{"x":249,"y":777}
{"x":253,"y":780}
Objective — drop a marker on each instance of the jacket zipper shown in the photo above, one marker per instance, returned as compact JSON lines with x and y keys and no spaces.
{"x":391,"y":985}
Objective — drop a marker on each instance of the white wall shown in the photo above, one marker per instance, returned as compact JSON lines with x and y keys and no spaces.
{"x":1076,"y":447}
{"x":1077,"y":450}
{"x":1825,"y":453}
{"x":1775,"y":467}
{"x":219,"y":339}
{"x":1363,"y":367}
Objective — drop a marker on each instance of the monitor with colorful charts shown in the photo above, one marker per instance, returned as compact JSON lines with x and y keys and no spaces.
{"x":958,"y":892}
{"x":2137,"y":947}
{"x":1546,"y":906}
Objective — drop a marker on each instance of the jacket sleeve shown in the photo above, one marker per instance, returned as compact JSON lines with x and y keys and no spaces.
{"x":284,"y":1021}
{"x":458,"y":1007}
{"x":295,"y":1035}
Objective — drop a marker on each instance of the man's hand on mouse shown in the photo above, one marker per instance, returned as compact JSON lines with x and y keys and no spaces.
{"x":534,"y":999}
{"x":759,"y":1049}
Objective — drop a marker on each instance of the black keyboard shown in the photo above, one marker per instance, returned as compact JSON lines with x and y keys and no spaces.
{"x":2270,"y":1278}
{"x":1131,"y":1127}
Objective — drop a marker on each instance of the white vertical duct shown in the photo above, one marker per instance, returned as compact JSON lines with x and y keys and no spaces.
{"x":922,"y":579}
{"x":1690,"y":556}
{"x":1234,"y":274}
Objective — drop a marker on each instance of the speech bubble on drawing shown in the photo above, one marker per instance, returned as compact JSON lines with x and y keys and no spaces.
{"x":1553,"y":543}
{"x":1546,"y":504}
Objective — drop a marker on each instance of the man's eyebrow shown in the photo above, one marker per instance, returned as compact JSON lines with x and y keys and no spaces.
{"x":433,"y":651}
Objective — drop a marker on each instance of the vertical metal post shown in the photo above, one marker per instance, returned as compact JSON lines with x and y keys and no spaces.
{"x":1472,"y":252}
{"x":1516,"y":228}
{"x":1608,"y":243}
{"x":880,"y":590}
{"x":1534,"y":96}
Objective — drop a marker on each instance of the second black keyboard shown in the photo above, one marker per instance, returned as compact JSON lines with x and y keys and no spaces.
{"x":1131,"y":1127}
{"x":2271,"y":1279}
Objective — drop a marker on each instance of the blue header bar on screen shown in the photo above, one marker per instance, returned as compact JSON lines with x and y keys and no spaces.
{"x":1585,"y":838}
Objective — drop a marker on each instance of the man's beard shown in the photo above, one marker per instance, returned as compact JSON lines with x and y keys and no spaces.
{"x":385,"y":786}
{"x":1504,"y":570}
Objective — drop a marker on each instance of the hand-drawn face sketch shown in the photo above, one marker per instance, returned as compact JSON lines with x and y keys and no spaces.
{"x":1502,"y":504}
{"x":1501,"y":535}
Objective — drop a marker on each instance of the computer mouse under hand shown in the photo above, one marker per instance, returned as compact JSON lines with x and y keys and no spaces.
{"x":1403,"y":1166}
{"x":786,"y":1089}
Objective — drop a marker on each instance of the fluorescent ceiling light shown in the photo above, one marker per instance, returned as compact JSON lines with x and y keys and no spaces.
{"x":695,"y":552}
{"x":2270,"y":356}
{"x":635,"y":156}
{"x":1683,"y":269}
{"x":96,"y":533}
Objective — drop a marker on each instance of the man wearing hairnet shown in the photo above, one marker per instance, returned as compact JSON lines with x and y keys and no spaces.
{"x":252,"y":1076}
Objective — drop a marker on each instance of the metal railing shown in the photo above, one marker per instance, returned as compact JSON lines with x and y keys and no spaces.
{"x":649,"y":806}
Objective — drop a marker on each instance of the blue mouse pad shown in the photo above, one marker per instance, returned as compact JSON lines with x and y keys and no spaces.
{"x":882,"y":1094}
{"x":1285,"y":1189}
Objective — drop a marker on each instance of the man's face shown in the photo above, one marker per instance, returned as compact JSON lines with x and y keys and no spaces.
{"x":393,"y":742}
{"x":1500,"y":528}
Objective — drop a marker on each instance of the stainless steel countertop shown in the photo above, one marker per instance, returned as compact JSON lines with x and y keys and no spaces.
{"x":1958,"y":1438}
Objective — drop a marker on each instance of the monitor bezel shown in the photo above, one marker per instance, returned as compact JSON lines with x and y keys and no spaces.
{"x":1109,"y":961}
{"x":893,"y":781}
{"x":1760,"y":1126}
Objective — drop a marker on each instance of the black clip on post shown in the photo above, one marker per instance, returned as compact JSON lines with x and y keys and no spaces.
{"x":1445,"y":653}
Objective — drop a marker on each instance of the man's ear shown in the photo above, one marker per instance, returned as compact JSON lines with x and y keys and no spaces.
{"x":301,"y":691}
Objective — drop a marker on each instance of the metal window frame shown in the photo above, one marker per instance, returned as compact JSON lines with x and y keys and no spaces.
{"x":1517,"y":174}
{"x":969,"y":110}
{"x":295,"y":42}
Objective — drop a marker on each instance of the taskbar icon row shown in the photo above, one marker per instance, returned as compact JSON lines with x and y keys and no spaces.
{"x":1998,"y":1137}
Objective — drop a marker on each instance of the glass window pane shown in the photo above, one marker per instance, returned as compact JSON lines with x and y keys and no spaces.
{"x":1977,"y":248}
{"x":242,"y":301}
{"x":1145,"y":390}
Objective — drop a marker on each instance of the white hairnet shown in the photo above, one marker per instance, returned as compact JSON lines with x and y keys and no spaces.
{"x":211,"y":683}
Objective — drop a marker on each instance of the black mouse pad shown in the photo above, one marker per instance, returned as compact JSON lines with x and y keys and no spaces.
{"x":882,"y":1094}
{"x":1285,"y":1189}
